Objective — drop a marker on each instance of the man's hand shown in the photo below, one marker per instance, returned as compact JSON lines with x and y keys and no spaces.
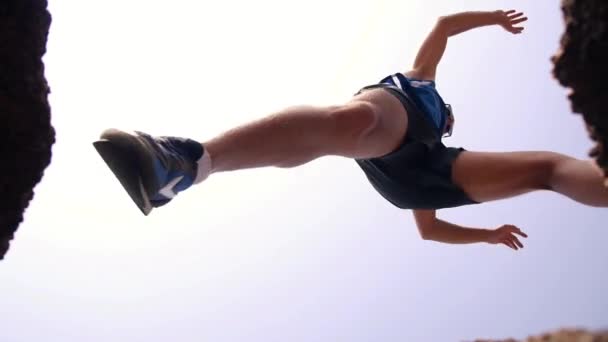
{"x":509,"y":19}
{"x":506,"y":235}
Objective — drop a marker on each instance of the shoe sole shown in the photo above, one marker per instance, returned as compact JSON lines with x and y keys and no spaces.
{"x":126,"y":158}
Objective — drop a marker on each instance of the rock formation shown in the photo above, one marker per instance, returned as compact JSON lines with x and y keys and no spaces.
{"x":564,"y":335}
{"x":26,"y":134}
{"x":581,"y":64}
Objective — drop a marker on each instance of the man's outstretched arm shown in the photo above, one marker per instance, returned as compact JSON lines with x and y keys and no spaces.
{"x":433,"y":47}
{"x":432,"y":228}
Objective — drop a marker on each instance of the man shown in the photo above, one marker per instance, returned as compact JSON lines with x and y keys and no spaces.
{"x":393,"y":131}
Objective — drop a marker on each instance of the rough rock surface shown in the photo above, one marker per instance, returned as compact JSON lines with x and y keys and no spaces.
{"x":582,"y":65}
{"x":565,"y":335}
{"x":26,"y":134}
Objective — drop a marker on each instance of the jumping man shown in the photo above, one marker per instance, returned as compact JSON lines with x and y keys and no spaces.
{"x":392,"y":130}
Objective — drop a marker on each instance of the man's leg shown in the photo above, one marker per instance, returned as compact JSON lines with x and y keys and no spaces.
{"x":579,"y":180}
{"x":154,"y":169}
{"x":293,"y":137}
{"x":488,"y":176}
{"x":371,"y":125}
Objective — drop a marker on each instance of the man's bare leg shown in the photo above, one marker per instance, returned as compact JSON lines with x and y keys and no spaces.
{"x":371,"y":125}
{"x":487,"y":176}
{"x":292,"y":137}
{"x":579,"y":180}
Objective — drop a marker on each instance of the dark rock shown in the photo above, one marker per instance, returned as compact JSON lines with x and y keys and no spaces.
{"x":582,"y":65}
{"x":26,"y":134}
{"x":563,"y":335}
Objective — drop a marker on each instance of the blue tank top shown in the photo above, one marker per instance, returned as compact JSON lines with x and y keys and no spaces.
{"x":424,"y":94}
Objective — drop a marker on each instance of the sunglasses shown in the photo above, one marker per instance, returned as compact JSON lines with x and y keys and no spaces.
{"x":449,"y":126}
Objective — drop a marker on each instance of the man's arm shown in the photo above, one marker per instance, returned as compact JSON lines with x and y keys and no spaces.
{"x":432,"y":228}
{"x":433,"y":47}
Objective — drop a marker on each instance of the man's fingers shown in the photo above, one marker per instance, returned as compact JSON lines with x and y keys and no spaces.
{"x":510,"y":244}
{"x":514,"y":230}
{"x":517,"y":21}
{"x":514,"y":245}
{"x":509,"y":12}
{"x":517,"y":242}
{"x":516,"y":15}
{"x":507,"y":236}
{"x":520,"y":233}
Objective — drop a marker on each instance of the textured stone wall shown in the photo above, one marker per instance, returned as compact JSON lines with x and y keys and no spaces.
{"x":582,"y":65}
{"x":565,"y":335}
{"x":26,"y":134}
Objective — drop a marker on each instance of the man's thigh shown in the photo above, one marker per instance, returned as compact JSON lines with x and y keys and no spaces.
{"x":390,"y":127}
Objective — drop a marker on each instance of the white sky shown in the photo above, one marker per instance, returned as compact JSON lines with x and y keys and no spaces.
{"x":308,"y":254}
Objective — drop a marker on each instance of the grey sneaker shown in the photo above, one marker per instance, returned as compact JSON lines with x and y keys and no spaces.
{"x":151,"y":169}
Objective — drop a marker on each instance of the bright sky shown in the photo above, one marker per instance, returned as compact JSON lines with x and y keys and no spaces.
{"x":307,"y":254}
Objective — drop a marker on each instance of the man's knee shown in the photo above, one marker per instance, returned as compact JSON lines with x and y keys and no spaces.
{"x":547,"y":168}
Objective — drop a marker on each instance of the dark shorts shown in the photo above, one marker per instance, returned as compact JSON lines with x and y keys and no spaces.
{"x":418,"y":174}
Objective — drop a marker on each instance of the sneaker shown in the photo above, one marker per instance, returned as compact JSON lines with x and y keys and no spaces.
{"x":151,"y":169}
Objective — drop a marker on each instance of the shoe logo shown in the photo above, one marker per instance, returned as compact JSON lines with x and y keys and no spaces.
{"x":167,"y":190}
